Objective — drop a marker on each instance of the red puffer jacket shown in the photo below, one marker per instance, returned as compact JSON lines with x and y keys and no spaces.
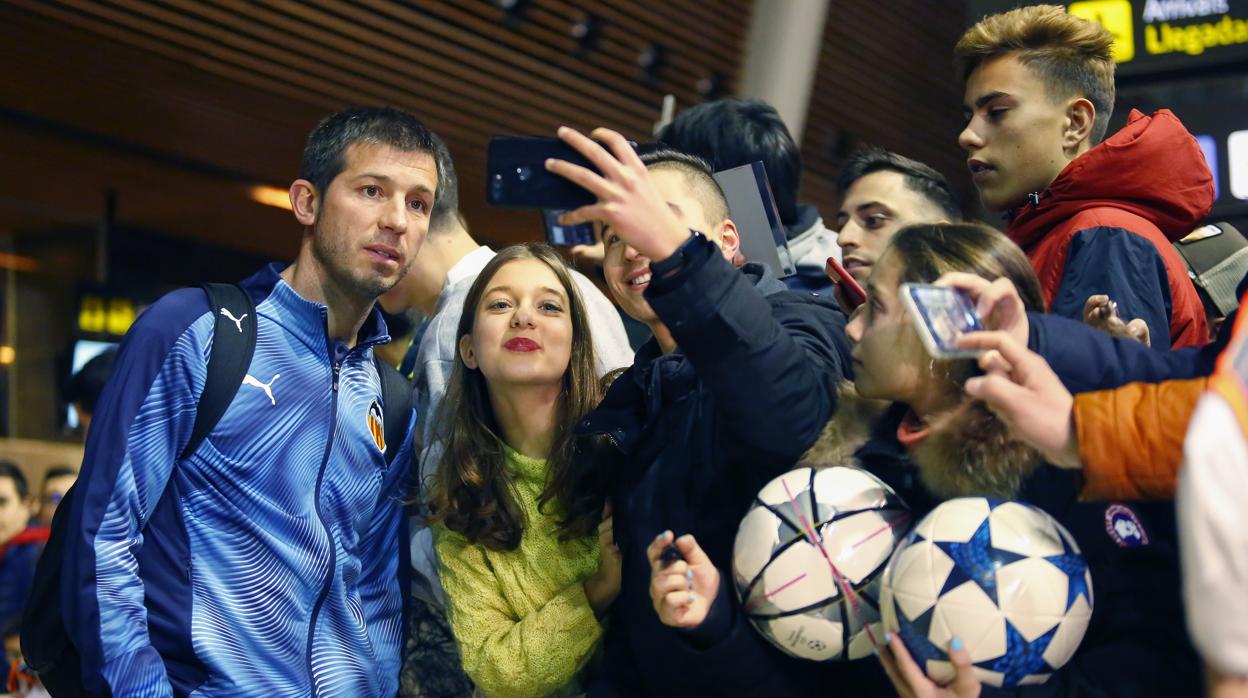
{"x":1106,"y":225}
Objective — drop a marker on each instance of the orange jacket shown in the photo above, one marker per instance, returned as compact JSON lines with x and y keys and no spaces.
{"x":1131,"y":438}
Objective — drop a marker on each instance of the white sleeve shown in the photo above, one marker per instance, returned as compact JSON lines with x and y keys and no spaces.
{"x":1212,"y":504}
{"x":610,"y":340}
{"x":434,"y":363}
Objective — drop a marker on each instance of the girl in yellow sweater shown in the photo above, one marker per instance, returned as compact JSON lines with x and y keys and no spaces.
{"x":528,"y":568}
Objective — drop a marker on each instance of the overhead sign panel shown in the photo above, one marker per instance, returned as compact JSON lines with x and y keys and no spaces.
{"x":1159,"y":35}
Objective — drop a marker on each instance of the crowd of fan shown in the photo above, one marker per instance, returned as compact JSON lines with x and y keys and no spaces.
{"x":516,"y":545}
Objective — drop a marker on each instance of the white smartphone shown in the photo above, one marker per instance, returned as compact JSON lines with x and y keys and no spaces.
{"x":942,"y":314}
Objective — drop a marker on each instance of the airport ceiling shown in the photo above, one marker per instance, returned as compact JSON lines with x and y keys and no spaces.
{"x":180,"y":107}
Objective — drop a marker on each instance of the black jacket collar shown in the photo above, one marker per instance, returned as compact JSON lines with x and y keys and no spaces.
{"x":655,"y":380}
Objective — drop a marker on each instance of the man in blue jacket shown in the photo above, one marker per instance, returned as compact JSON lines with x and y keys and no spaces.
{"x":735,"y":386}
{"x":267,"y":561}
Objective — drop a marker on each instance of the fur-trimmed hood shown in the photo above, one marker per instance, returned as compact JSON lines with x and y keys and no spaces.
{"x":968,"y":451}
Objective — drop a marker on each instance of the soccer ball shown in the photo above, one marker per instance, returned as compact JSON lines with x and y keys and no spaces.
{"x":1002,"y":576}
{"x":808,"y":558}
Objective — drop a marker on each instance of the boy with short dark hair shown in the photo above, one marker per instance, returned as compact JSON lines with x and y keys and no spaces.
{"x":881,"y":193}
{"x":1093,"y":219}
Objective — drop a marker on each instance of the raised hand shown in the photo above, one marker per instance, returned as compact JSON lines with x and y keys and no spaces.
{"x":683,"y":583}
{"x":1102,"y":313}
{"x":1022,"y":389}
{"x":628,"y":202}
{"x":997,"y":302}
{"x":911,"y":682}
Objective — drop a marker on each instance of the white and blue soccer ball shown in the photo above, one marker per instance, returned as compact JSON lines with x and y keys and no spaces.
{"x":809,"y":556}
{"x":1004,"y":577}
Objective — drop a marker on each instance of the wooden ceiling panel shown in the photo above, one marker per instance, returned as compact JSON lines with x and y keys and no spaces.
{"x":143,"y":99}
{"x":228,"y":90}
{"x":69,"y":189}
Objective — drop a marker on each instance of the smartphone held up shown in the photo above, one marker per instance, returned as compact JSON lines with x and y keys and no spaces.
{"x":516,"y":175}
{"x":941,"y":314}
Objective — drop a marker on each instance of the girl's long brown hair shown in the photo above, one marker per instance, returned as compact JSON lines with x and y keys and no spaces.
{"x":947,"y":465}
{"x":472,"y":492}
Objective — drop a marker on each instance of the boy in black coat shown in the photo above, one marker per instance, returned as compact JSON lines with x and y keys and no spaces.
{"x":736,"y":384}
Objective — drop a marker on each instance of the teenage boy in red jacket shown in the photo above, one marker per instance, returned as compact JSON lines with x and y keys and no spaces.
{"x":1093,"y":219}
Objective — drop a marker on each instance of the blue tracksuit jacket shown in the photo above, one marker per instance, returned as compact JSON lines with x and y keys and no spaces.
{"x":267,"y":562}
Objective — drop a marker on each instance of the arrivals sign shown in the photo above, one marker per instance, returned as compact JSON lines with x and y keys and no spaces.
{"x":1160,"y":35}
{"x":106,"y":313}
{"x":100,"y":314}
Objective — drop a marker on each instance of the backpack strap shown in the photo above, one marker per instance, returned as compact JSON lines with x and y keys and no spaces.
{"x":396,"y":398}
{"x":233,"y":344}
{"x":46,"y":642}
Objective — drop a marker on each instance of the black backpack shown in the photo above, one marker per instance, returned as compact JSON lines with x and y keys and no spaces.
{"x":46,"y":645}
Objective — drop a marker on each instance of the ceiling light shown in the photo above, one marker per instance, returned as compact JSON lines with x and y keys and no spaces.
{"x":270,"y":196}
{"x":17,"y":262}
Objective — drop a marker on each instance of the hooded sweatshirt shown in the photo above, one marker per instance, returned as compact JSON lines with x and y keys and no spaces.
{"x":1107,"y":223}
{"x":810,"y":245}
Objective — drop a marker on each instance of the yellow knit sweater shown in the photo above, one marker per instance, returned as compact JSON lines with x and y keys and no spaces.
{"x":521,"y":617}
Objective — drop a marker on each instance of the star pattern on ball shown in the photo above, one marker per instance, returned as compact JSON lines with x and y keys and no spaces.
{"x":1021,"y":658}
{"x":976,"y":561}
{"x":915,"y":634}
{"x":1072,"y":564}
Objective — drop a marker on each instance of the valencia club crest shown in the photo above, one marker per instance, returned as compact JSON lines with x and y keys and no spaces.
{"x":376,"y":425}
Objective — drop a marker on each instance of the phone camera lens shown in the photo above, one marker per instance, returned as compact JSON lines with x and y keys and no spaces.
{"x":524,"y":173}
